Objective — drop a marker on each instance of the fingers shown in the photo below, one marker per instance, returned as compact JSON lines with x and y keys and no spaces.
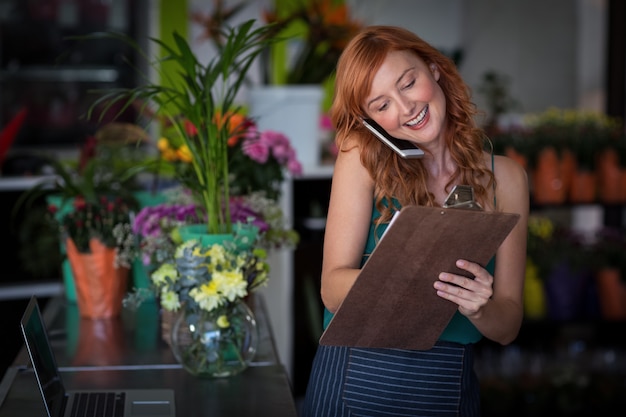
{"x":469,"y":294}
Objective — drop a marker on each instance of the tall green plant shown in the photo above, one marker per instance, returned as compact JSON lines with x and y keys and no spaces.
{"x":199,"y":103}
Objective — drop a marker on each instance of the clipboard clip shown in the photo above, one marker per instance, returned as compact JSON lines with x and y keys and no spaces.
{"x":462,"y":197}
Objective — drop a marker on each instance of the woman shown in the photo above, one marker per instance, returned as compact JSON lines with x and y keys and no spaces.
{"x":415,"y":93}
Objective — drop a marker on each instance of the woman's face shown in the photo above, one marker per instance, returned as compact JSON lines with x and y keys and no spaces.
{"x":406,"y":100}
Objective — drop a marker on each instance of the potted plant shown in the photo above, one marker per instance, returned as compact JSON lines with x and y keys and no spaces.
{"x":611,"y":162}
{"x":199,"y":106}
{"x":609,"y":265}
{"x":550,"y":160}
{"x":100,"y":249}
{"x":108,"y":167}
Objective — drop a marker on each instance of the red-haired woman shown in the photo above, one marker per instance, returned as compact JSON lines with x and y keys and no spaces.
{"x":415,"y":93}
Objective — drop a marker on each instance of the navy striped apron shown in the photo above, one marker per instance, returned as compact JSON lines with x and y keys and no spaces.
{"x":351,"y":382}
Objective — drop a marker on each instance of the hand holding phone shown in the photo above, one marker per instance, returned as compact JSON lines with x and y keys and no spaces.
{"x":404,"y":148}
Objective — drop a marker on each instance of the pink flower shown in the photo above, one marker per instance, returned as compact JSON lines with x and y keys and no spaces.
{"x":256,"y":150}
{"x":294,"y":167}
{"x":325,"y":122}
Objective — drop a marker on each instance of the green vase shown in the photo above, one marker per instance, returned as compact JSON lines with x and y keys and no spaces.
{"x":244,"y":235}
{"x":64,"y":207}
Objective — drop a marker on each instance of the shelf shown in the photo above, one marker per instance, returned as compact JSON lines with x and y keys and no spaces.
{"x":61,"y":74}
{"x":22,"y":183}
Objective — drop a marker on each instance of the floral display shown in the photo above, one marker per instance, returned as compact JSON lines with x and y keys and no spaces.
{"x":156,"y":226}
{"x":205,"y":94}
{"x":259,"y":159}
{"x":582,"y":132}
{"x":108,"y":221}
{"x":206,"y":279}
{"x":215,"y":335}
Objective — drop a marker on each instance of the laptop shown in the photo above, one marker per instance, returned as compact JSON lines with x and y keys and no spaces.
{"x":60,"y":402}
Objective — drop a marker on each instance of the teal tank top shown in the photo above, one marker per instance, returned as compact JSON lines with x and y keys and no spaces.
{"x":459,"y":330}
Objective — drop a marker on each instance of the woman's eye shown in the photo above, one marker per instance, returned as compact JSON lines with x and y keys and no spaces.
{"x":409,"y":85}
{"x":383,"y":107}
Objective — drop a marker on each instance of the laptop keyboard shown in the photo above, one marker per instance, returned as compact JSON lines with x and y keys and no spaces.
{"x":98,"y":404}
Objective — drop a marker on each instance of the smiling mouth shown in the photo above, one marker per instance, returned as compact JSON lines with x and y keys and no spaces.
{"x":419,"y":119}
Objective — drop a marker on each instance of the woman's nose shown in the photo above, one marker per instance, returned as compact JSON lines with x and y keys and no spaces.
{"x":407,"y":106}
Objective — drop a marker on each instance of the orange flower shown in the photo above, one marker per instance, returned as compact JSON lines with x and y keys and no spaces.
{"x":238,"y":124}
{"x":184,"y":154}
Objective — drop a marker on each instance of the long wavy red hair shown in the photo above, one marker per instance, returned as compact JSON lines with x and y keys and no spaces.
{"x":405,"y":179}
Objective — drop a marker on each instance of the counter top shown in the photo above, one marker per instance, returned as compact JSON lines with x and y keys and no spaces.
{"x":129,"y":352}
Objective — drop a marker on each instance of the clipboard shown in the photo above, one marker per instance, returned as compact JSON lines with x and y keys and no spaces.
{"x":393,"y":304}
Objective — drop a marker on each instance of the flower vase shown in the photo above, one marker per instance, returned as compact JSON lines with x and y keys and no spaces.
{"x":549,"y":184}
{"x":244,"y":235}
{"x":217,"y":343}
{"x":611,"y":293}
{"x":583,"y":187}
{"x":609,"y":177}
{"x":100,"y":284}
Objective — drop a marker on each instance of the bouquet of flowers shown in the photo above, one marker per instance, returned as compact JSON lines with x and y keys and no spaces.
{"x":206,"y":279}
{"x":257,"y":160}
{"x":216,"y":333}
{"x":107,"y":221}
{"x":156,"y":227}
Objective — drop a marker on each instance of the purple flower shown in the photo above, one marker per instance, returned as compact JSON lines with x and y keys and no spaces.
{"x":240,"y":212}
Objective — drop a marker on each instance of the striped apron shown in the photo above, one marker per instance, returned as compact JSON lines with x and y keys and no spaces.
{"x":360,"y":382}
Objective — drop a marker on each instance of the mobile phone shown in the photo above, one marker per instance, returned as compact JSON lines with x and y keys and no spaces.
{"x":404,"y":148}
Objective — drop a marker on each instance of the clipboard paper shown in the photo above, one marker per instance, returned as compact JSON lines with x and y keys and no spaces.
{"x":393,"y":303}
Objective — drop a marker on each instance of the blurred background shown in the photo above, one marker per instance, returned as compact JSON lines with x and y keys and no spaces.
{"x":519,"y":58}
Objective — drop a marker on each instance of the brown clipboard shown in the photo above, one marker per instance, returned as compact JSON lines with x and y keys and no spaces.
{"x":393,"y":303}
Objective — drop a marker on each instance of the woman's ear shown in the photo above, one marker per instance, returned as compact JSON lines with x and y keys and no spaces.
{"x":435,"y":71}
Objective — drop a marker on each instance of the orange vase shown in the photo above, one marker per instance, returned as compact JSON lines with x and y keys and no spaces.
{"x":548,"y":179}
{"x":611,"y":293}
{"x":100,"y":285}
{"x":623,"y":185}
{"x":609,"y":177}
{"x":583,"y":187}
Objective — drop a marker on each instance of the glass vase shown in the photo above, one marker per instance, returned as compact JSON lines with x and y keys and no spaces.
{"x":216,"y":344}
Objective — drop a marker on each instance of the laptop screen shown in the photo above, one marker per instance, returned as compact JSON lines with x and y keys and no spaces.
{"x":42,"y":357}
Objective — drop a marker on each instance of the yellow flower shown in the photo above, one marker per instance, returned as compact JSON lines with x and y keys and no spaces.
{"x":184,"y":154}
{"x":541,"y":227}
{"x":231,"y":284}
{"x":222,"y":321}
{"x":164,"y":273}
{"x":163,"y":144}
{"x":207,"y":296}
{"x":170,"y":300}
{"x":534,"y":296}
{"x":217,"y":253}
